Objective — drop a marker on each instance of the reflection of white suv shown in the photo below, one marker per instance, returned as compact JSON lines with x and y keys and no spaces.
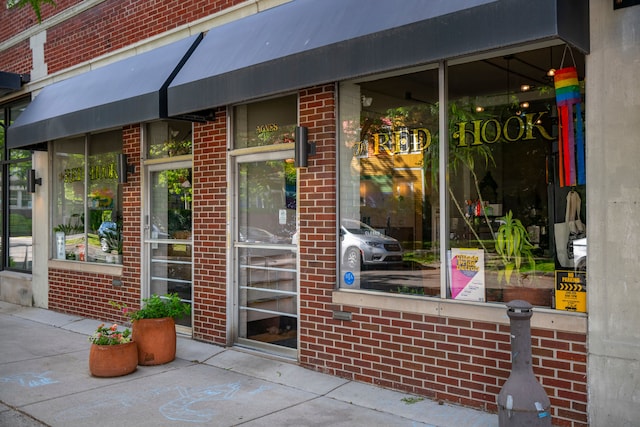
{"x":362,"y":245}
{"x":580,"y":254}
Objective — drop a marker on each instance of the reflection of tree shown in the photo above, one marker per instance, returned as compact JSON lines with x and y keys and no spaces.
{"x":282,"y":135}
{"x":178,"y":182}
{"x":170,"y":148}
{"x":270,"y":172}
{"x":461,"y":157}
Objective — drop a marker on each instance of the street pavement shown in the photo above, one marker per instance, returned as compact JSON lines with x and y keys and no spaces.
{"x":45,"y":381}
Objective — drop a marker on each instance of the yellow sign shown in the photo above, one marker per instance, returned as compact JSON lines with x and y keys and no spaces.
{"x":571,"y":291}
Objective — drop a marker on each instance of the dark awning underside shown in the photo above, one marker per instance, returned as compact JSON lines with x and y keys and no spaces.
{"x":309,"y":42}
{"x":132,"y":90}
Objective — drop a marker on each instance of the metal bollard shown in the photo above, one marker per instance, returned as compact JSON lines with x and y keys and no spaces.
{"x":522,"y":400}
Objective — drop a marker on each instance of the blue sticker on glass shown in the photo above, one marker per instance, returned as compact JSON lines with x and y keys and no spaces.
{"x":349,"y":278}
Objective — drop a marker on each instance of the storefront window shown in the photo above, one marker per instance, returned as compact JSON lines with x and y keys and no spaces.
{"x":515,"y":182}
{"x":88,"y":211}
{"x":19,"y":240}
{"x":168,"y":139}
{"x":265,"y":123}
{"x":388,"y":185}
{"x":508,"y":191}
{"x":20,"y":215}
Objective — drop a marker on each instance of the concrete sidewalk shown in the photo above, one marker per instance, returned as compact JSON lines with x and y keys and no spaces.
{"x":45,"y":381}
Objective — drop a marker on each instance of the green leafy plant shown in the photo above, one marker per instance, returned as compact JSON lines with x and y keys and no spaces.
{"x":412,"y":400}
{"x":513,"y":246}
{"x":75,"y":225}
{"x":36,"y":5}
{"x":110,"y":336}
{"x":113,"y":239}
{"x":156,"y":307}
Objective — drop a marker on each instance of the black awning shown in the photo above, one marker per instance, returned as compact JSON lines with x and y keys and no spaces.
{"x":132,"y":90}
{"x":309,"y":42}
{"x":11,"y":82}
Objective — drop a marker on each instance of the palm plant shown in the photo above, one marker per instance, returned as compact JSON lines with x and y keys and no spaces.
{"x":513,"y":247}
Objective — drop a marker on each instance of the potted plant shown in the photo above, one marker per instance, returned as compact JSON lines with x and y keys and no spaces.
{"x":516,"y":251}
{"x":111,"y":242}
{"x":112,"y":352}
{"x":154,"y":327}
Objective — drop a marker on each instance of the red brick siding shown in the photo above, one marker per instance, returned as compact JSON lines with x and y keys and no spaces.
{"x":209,"y":230}
{"x":458,"y":361}
{"x":17,"y":59}
{"x":115,"y":24}
{"x":132,"y":207}
{"x":14,"y":20}
{"x":104,"y":28}
{"x":88,"y":295}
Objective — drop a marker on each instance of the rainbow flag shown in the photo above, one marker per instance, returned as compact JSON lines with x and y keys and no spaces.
{"x":571,"y":152}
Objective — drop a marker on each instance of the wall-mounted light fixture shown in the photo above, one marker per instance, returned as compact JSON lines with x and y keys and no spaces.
{"x":123,"y":168}
{"x":303,"y":148}
{"x":32,"y":181}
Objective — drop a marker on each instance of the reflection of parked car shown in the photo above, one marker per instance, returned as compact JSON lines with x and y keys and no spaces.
{"x":108,"y":229}
{"x":259,"y":235}
{"x":362,"y":245}
{"x":580,"y":254}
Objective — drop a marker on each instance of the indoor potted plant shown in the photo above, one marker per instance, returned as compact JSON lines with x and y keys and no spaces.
{"x":516,"y":252}
{"x":154,"y":327}
{"x":112,"y":352}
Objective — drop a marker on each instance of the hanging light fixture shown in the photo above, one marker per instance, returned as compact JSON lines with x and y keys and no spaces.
{"x":552,"y":71}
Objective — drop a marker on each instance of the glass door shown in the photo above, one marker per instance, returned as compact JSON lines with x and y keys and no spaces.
{"x":265,"y":249}
{"x":168,"y":240}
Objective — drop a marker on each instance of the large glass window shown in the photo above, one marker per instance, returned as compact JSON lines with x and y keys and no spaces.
{"x":388,"y":191}
{"x":515,"y":182}
{"x":17,"y":231}
{"x":87,"y":217}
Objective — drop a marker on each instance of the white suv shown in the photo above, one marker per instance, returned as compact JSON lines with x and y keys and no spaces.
{"x":362,"y":245}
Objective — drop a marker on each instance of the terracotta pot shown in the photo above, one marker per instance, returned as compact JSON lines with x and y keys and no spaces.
{"x":534,"y":296}
{"x":156,"y":340}
{"x":113,"y":360}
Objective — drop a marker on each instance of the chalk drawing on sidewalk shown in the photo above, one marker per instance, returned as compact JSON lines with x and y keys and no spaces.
{"x":190,"y":405}
{"x":180,"y":409}
{"x":29,"y":379}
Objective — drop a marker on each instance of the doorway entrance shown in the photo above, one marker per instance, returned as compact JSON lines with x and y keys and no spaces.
{"x":167,"y":234}
{"x":265,"y":284}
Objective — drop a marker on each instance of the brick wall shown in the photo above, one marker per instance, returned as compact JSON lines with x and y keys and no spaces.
{"x":17,"y":59}
{"x":104,"y":28}
{"x":16,"y":20}
{"x":115,"y":24}
{"x":209,"y":230}
{"x":132,"y":209}
{"x":458,"y":361}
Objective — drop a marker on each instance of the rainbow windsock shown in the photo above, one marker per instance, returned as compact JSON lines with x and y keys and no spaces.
{"x":571,"y":153}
